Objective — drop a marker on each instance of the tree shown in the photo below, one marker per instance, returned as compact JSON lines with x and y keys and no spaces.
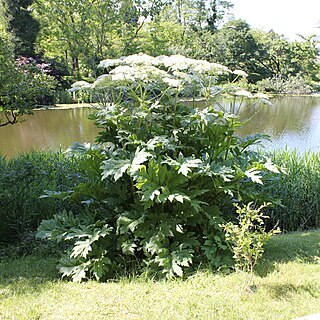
{"x":22,"y":26}
{"x":21,"y":86}
{"x":199,"y":14}
{"x":133,"y":15}
{"x":260,"y":54}
{"x":215,"y":13}
{"x":232,"y":45}
{"x":82,"y":33}
{"x":3,"y":22}
{"x":279,"y":57}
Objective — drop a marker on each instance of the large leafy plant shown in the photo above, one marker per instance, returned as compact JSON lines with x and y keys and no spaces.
{"x":162,"y":178}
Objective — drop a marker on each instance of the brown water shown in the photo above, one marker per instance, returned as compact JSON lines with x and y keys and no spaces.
{"x":292,"y":121}
{"x":48,"y":129}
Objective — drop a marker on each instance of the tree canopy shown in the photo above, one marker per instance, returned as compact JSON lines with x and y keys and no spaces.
{"x":78,"y":34}
{"x":22,"y":84}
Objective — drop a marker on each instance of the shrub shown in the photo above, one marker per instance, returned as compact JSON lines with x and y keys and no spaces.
{"x":22,"y":86}
{"x":162,"y":178}
{"x":288,"y":85}
{"x":248,"y":236}
{"x":22,"y":181}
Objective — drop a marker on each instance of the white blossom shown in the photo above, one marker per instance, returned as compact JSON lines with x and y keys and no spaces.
{"x":240,"y":73}
{"x":174,"y":83}
{"x":138,"y":59}
{"x":149,"y":73}
{"x":219,"y":68}
{"x":202,"y":66}
{"x":123,"y":73}
{"x":243,"y":93}
{"x":102,"y":80}
{"x":178,"y":62}
{"x":110,"y":63}
{"x":81,"y":84}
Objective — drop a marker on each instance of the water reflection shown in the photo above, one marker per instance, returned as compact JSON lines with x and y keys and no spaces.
{"x":290,"y":121}
{"x":52,"y":129}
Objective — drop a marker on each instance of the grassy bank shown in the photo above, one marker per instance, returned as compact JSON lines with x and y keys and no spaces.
{"x":287,"y":284}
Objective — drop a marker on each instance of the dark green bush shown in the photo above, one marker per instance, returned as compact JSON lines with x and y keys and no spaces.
{"x":23,"y":180}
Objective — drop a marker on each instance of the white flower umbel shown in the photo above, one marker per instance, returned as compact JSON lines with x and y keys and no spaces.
{"x":138,"y":59}
{"x":123,"y":73}
{"x":205,"y":67}
{"x":240,"y":73}
{"x":149,"y":73}
{"x":173,"y":83}
{"x":175,"y":71}
{"x":243,"y":93}
{"x":173,"y":63}
{"x":107,"y":63}
{"x":102,"y":81}
{"x":80,"y":85}
{"x":178,"y":63}
{"x":145,"y":73}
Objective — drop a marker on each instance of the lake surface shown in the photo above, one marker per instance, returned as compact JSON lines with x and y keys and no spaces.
{"x":290,"y":121}
{"x":47,"y":129}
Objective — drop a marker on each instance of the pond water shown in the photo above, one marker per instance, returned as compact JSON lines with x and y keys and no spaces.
{"x":290,"y":121}
{"x":47,"y":129}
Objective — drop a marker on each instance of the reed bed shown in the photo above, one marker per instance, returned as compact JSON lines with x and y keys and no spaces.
{"x":298,"y":190}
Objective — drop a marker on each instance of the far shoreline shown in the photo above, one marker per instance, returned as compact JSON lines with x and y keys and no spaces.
{"x":67,"y":106}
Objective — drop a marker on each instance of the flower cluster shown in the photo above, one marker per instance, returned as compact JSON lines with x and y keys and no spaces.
{"x":25,"y":62}
{"x":176,"y":71}
{"x":171,"y":63}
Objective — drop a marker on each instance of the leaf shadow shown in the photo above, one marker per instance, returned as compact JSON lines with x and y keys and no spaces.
{"x":301,"y":247}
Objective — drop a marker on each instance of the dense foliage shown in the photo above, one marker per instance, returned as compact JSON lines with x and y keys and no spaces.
{"x":78,"y":34}
{"x":22,"y":26}
{"x":22,"y":210}
{"x":298,"y":190}
{"x":288,"y":85}
{"x":22,"y":85}
{"x":162,"y":178}
{"x":22,"y":181}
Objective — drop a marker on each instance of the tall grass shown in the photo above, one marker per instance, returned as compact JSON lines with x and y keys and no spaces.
{"x":22,"y":180}
{"x":298,"y":190}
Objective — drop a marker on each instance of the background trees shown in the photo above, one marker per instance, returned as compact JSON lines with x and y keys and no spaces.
{"x":78,"y":34}
{"x":22,"y":26}
{"x":22,"y":85}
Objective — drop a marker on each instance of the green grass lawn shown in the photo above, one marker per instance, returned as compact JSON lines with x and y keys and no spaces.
{"x":287,"y":285}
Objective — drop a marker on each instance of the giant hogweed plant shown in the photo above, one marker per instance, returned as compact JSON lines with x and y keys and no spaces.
{"x":161,"y":179}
